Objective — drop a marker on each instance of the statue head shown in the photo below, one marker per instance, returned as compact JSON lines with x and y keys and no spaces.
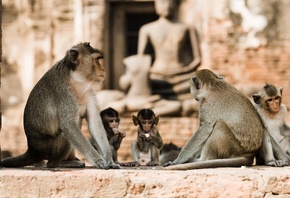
{"x":166,"y":8}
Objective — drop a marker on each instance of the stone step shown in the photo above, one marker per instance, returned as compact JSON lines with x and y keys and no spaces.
{"x":255,"y":181}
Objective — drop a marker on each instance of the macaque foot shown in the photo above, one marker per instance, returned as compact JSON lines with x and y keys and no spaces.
{"x":67,"y":164}
{"x":102,"y":164}
{"x":130,"y":164}
{"x":168,"y":164}
{"x":152,"y":163}
{"x":276,"y":163}
{"x":114,"y":166}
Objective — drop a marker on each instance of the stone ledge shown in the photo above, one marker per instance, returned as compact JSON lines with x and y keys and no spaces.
{"x":221,"y":182}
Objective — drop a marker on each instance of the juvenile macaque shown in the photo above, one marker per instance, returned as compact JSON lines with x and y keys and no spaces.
{"x":111,"y":120}
{"x":146,"y":150}
{"x":230,"y":130}
{"x":276,"y":142}
{"x":54,"y":110}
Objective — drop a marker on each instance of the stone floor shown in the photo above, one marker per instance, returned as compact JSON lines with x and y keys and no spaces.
{"x":255,"y":181}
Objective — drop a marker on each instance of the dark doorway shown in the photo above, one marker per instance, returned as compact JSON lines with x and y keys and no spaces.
{"x":124,"y":19}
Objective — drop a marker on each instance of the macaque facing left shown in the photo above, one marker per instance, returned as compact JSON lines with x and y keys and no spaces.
{"x":146,"y":150}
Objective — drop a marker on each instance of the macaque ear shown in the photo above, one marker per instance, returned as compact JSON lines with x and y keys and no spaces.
{"x":156,"y":120}
{"x":196,"y":82}
{"x":256,"y":98}
{"x":281,"y":90}
{"x":73,"y":58}
{"x":135,"y":120}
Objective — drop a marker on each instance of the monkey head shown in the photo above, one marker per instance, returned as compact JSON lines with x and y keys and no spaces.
{"x":203,"y":78}
{"x":110,"y":118}
{"x":85,"y":63}
{"x":146,"y":119}
{"x":269,"y":98}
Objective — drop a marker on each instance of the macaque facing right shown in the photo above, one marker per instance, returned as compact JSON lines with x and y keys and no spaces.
{"x":111,"y":121}
{"x":146,"y":150}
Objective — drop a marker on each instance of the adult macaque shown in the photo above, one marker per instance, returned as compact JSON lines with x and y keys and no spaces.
{"x":110,"y":118}
{"x":276,"y":141}
{"x":230,"y":131}
{"x":54,"y":110}
{"x":146,"y":150}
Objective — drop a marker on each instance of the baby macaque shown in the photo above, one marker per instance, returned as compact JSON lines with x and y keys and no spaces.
{"x":146,"y":150}
{"x":111,"y":121}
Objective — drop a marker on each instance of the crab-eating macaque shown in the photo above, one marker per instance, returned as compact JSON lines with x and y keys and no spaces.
{"x":146,"y":150}
{"x":230,"y":130}
{"x":54,"y":110}
{"x":111,"y":120}
{"x":168,"y":152}
{"x":276,"y":141}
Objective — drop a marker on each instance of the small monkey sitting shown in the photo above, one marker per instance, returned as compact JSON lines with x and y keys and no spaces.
{"x":111,"y":121}
{"x":268,"y":102}
{"x":146,"y":150}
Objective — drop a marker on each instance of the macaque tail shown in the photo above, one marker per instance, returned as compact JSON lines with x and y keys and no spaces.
{"x":22,"y":160}
{"x":232,"y":162}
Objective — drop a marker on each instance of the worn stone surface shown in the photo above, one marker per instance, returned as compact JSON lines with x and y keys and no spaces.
{"x":220,"y":182}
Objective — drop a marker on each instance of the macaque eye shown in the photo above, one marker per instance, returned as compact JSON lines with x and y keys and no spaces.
{"x":277,"y":98}
{"x":270,"y":100}
{"x":147,"y":122}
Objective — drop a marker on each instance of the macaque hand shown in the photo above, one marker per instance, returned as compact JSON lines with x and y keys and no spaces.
{"x":116,"y":130}
{"x":144,"y":135}
{"x":122,"y":134}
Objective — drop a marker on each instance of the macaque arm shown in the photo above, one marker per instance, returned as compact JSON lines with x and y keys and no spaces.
{"x":71,"y":131}
{"x":285,"y":130}
{"x":194,"y":145}
{"x":156,"y":138}
{"x":97,"y":130}
{"x":117,"y":139}
{"x":135,"y":151}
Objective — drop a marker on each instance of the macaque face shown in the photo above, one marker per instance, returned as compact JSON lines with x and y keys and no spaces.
{"x":165,"y":8}
{"x":91,"y":67}
{"x":147,"y":124}
{"x":98,"y":67}
{"x":194,"y":85}
{"x":113,"y":122}
{"x":274,"y":103}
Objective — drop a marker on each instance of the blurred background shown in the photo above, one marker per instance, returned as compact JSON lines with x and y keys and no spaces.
{"x":246,"y":41}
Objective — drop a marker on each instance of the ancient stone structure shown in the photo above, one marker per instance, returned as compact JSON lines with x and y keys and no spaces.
{"x":176,"y":53}
{"x":36,"y":34}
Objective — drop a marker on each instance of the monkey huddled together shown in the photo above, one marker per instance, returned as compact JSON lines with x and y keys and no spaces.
{"x":231,"y":132}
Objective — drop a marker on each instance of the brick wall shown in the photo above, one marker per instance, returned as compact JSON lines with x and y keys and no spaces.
{"x":175,"y":130}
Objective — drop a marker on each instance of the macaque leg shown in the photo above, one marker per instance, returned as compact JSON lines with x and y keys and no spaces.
{"x":265,"y":154}
{"x":220,"y":144}
{"x":114,"y":154}
{"x":64,"y":155}
{"x":154,"y":156}
{"x":279,"y":153}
